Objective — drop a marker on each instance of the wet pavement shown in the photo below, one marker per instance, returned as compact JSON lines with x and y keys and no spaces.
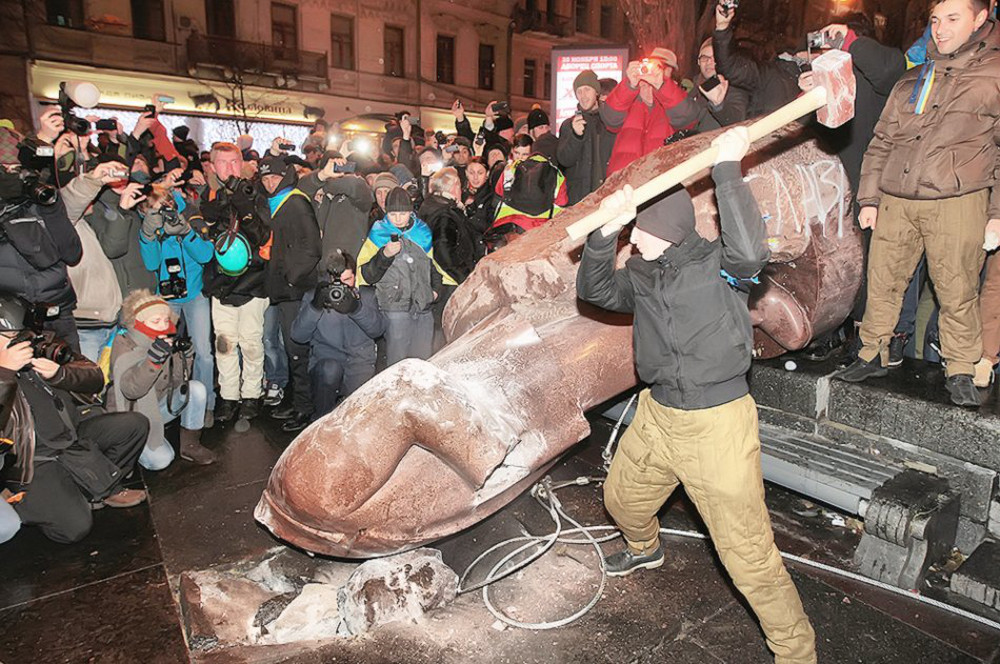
{"x":111,"y":597}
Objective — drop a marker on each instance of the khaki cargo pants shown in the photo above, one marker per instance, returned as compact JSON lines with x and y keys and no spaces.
{"x":950,"y":231}
{"x":715,"y":453}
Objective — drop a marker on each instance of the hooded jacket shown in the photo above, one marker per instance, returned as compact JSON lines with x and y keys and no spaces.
{"x":692,"y":335}
{"x":342,"y":206}
{"x":584,"y":159}
{"x":296,"y":246}
{"x":139,"y":385}
{"x":50,"y":228}
{"x":939,"y":135}
{"x":229,"y":290}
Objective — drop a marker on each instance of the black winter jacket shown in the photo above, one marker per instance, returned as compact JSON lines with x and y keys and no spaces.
{"x":457,"y":245}
{"x":771,"y":84}
{"x":584,"y":159}
{"x":342,"y":211}
{"x":691,"y":330}
{"x":295,"y":251}
{"x":49,"y":285}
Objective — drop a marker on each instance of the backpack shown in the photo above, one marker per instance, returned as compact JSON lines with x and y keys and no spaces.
{"x":533,"y":188}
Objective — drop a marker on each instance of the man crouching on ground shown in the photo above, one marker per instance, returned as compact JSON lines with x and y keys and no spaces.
{"x":697,"y":423}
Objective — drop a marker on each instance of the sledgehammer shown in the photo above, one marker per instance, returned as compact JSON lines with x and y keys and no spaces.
{"x":832,"y":98}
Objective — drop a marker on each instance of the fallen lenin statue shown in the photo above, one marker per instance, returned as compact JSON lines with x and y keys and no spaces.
{"x":426,"y":449}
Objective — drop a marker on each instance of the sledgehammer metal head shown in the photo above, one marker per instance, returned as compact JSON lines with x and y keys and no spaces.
{"x":833,"y":72}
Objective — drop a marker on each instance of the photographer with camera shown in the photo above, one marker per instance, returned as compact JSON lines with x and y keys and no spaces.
{"x":151,"y":374}
{"x":177,"y":254}
{"x":717,"y":103}
{"x":636,"y":110}
{"x":340,"y":323}
{"x":68,"y":463}
{"x":585,"y":144}
{"x":234,"y":281}
{"x":342,"y":201}
{"x":290,"y":274}
{"x":35,"y":252}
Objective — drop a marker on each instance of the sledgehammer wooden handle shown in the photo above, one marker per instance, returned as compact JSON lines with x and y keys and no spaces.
{"x":803,"y":105}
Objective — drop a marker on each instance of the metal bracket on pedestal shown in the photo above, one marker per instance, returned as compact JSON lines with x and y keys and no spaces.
{"x":911,"y":522}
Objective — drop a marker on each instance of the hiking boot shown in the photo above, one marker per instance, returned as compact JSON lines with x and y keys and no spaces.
{"x":250,"y":408}
{"x":860,"y":370}
{"x":274,"y":395}
{"x":192,"y":450}
{"x":125,"y":498}
{"x":209,"y":420}
{"x":625,"y":562}
{"x":286,"y":413}
{"x":896,"y":346}
{"x":963,"y":391}
{"x":296,"y":422}
{"x":851,"y":350}
{"x":226,"y":410}
{"x":821,"y":349}
{"x":984,"y":373}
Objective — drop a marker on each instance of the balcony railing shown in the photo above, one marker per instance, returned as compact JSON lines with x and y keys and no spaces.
{"x":51,"y":42}
{"x":257,"y":58}
{"x":539,"y":21}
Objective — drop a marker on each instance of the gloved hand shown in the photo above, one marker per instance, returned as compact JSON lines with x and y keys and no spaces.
{"x":151,"y":223}
{"x":733,"y":145}
{"x":214,"y":211}
{"x":243,"y":204}
{"x":255,"y":230}
{"x":181,"y":227}
{"x":160,"y":351}
{"x":319,"y":295}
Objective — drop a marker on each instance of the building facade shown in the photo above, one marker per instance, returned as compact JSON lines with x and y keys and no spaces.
{"x":356,"y":62}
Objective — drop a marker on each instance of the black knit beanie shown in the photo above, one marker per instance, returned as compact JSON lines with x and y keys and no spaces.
{"x":398,"y":201}
{"x":671,"y":218}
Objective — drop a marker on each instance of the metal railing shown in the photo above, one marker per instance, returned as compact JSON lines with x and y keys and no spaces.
{"x":255,"y":57}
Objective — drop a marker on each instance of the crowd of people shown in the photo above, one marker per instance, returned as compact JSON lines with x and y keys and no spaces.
{"x":145,"y":278}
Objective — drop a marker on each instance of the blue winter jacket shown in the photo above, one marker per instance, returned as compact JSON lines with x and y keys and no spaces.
{"x":191,"y":250}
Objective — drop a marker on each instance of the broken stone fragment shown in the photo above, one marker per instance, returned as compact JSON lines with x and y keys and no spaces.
{"x":220,"y":609}
{"x":400,"y":587}
{"x":311,"y":616}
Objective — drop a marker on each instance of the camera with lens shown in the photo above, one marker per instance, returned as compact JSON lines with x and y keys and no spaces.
{"x":334,"y":294}
{"x":33,"y":189}
{"x":440,"y":137}
{"x":174,"y":286}
{"x":235,"y":184}
{"x":173,"y":222}
{"x":50,"y":349}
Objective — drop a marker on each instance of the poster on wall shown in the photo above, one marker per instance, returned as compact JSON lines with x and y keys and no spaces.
{"x":568,"y":62}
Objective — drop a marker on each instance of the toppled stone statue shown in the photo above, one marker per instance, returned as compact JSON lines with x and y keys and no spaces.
{"x":426,"y":449}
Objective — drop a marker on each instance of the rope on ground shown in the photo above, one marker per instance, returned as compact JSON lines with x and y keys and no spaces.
{"x":533,"y":547}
